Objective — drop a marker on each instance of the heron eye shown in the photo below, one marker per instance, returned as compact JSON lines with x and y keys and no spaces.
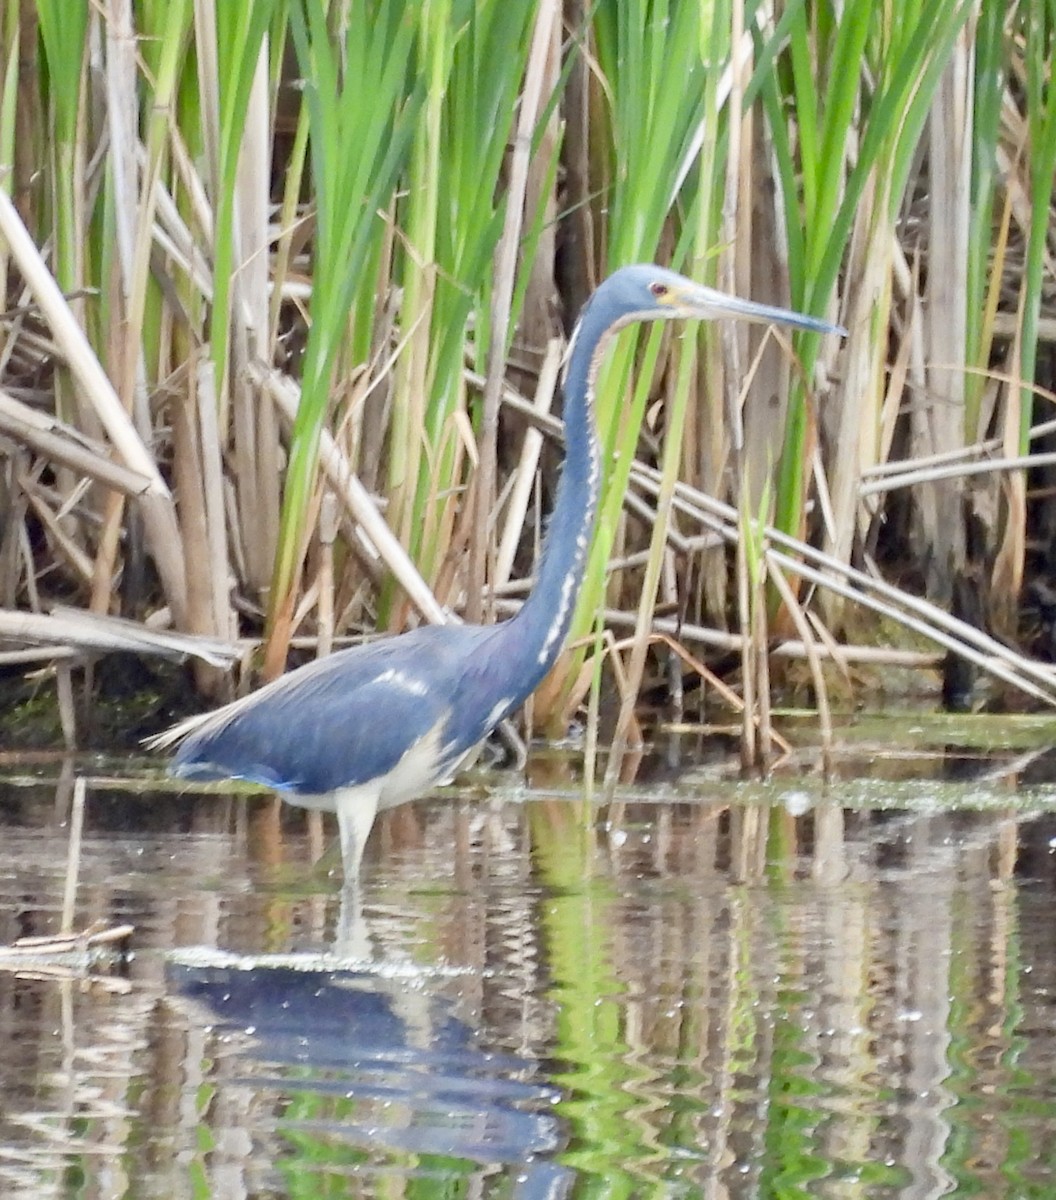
{"x":659,"y":290}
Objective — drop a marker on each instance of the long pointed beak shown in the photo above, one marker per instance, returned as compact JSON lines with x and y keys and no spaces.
{"x":707,"y":304}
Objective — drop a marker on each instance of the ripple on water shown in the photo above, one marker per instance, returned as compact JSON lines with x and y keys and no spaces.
{"x":733,"y":994}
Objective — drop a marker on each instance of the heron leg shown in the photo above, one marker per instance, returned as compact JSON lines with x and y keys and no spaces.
{"x":356,"y":809}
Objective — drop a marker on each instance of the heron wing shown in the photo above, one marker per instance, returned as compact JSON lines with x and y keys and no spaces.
{"x":341,"y":721}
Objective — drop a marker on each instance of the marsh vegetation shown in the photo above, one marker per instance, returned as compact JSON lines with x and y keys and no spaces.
{"x":288,"y":285}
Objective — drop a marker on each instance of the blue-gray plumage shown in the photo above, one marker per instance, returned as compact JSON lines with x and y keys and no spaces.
{"x":375,"y":725}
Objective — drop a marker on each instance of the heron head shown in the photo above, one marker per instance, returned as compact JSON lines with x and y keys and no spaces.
{"x":649,"y":293}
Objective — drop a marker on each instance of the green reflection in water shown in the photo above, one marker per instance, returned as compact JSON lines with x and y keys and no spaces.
{"x":1003,"y":1107}
{"x":741,"y":1097}
{"x":593,"y":1068}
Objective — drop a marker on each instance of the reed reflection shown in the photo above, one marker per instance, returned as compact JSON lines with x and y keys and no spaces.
{"x":750,"y":990}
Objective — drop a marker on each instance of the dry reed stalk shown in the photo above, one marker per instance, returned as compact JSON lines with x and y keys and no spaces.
{"x":623,"y":767}
{"x":410,"y":394}
{"x":102,"y":580}
{"x":67,"y":705}
{"x":440,"y":526}
{"x":790,"y":648}
{"x":842,"y":655}
{"x":766,"y":406}
{"x":13,"y":561}
{"x":909,"y":611}
{"x":670,"y":603}
{"x":1007,"y":666}
{"x":968,"y":453}
{"x":257,"y":449}
{"x":854,"y":415}
{"x":62,"y":541}
{"x":970,"y":459}
{"x":924,"y":462}
{"x":524,"y":474}
{"x":532,"y":98}
{"x":587,"y":684}
{"x":133,"y":210}
{"x":52,"y":654}
{"x":173,"y":232}
{"x":73,"y":859}
{"x":661,"y":526}
{"x":412,"y":376}
{"x":932,"y":475}
{"x":223,"y":622}
{"x":736,"y":222}
{"x":32,"y":594}
{"x":125,"y":356}
{"x":985,"y":400}
{"x":64,"y":628}
{"x":156,"y":505}
{"x":579,"y":262}
{"x":379,"y":538}
{"x":590,"y":682}
{"x":59,"y":443}
{"x":803,"y":627}
{"x":764,"y":691}
{"x":896,"y":384}
{"x":208,"y":70}
{"x":543,"y":220}
{"x":1007,"y":576}
{"x":1007,"y":572}
{"x":724,"y":690}
{"x":328,"y":530}
{"x":292,"y":231}
{"x":191,"y":452}
{"x":939,"y":421}
{"x":307,"y":599}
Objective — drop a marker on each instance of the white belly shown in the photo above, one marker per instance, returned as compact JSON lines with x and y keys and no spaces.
{"x":416,"y":772}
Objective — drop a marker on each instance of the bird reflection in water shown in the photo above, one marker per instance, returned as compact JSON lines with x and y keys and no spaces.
{"x":355,"y":1059}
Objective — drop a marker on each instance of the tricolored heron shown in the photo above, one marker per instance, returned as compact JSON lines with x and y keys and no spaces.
{"x":370,"y":727}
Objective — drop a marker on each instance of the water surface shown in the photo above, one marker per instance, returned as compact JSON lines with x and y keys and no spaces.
{"x":711,"y":988}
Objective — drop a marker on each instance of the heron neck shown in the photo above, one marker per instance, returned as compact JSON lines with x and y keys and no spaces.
{"x":544,"y":621}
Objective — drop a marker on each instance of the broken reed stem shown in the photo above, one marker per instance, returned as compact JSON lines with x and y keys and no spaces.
{"x":73,"y":856}
{"x":963,"y":454}
{"x":889,"y":481}
{"x":1038,"y":679}
{"x":67,"y":707}
{"x":63,"y":444}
